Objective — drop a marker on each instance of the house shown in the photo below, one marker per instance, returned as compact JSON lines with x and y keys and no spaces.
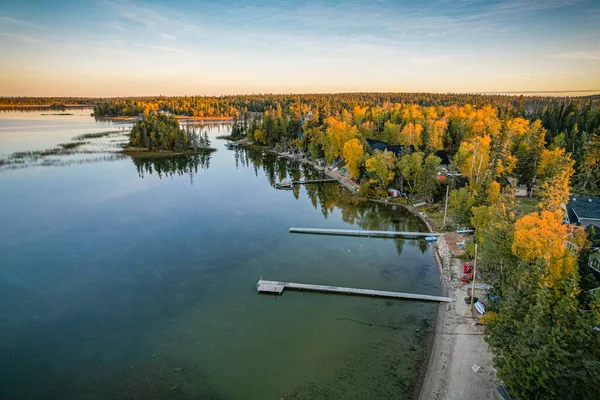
{"x":521,"y":191}
{"x":376,"y":144}
{"x":584,"y":211}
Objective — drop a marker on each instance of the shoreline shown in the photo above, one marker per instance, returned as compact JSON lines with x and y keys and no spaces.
{"x":457,"y":344}
{"x":179,"y":117}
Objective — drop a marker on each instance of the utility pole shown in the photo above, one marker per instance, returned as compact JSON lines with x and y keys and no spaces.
{"x":474,"y":275}
{"x":446,"y":207}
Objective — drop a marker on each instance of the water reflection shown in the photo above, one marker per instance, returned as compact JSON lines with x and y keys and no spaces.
{"x":168,"y":167}
{"x":330,"y":198}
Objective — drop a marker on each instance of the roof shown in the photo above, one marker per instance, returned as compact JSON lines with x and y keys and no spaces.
{"x":442,"y":155}
{"x":396,"y":149}
{"x":376,"y":144}
{"x":584,"y":207}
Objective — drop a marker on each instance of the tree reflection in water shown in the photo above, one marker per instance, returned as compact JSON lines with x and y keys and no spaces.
{"x":168,"y":167}
{"x":328,"y":198}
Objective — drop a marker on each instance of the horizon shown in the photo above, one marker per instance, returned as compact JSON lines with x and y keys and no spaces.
{"x":113,"y":49}
{"x":531,"y":93}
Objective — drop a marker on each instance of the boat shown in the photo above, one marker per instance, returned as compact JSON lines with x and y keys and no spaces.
{"x":480,"y":308}
{"x":430,"y":238}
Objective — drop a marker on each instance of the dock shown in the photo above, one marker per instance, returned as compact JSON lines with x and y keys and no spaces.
{"x":363,"y":233}
{"x":288,"y":183}
{"x":264,"y":286}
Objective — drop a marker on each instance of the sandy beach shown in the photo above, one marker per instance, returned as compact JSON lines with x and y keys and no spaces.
{"x":460,"y":366}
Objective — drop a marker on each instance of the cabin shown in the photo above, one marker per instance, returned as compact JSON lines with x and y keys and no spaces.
{"x":584,"y":211}
{"x":376,"y":144}
{"x":521,"y":191}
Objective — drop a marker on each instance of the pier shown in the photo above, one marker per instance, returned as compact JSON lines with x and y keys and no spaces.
{"x":288,"y":183}
{"x":264,"y":286}
{"x":363,"y":233}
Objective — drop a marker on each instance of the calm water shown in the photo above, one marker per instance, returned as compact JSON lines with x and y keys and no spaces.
{"x":124,"y":278}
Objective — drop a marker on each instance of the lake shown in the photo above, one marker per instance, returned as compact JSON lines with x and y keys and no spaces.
{"x":136,"y":278}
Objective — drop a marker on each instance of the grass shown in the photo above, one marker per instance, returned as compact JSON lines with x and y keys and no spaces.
{"x":527,"y":205}
{"x":94,"y":135}
{"x":71,"y":145}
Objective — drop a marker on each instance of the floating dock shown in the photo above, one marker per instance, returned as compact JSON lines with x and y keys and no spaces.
{"x":288,"y":184}
{"x":277,"y":287}
{"x":350,"y":232}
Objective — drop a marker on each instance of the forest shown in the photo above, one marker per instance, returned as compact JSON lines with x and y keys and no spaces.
{"x":161,"y":132}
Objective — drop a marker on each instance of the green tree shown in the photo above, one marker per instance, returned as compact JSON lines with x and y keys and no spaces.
{"x":460,"y":204}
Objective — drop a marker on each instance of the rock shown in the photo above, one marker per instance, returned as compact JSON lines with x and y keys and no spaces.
{"x":154,"y":355}
{"x":475,"y":368}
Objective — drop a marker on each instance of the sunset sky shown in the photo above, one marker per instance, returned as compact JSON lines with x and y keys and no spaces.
{"x":122,"y":48}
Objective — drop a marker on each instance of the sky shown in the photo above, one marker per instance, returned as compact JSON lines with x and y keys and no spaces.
{"x":150,"y":47}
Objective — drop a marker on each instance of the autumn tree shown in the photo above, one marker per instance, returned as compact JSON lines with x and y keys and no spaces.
{"x":380,"y":167}
{"x":589,"y":170}
{"x":528,"y":147}
{"x":335,"y":136}
{"x":353,"y":154}
{"x":411,"y":135}
{"x":555,"y":170}
{"x":473,"y":159}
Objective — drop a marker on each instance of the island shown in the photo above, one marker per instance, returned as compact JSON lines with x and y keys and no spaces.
{"x":160,"y":134}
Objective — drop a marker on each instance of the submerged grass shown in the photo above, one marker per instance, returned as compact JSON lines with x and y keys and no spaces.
{"x":98,"y":135}
{"x":71,"y":145}
{"x":22,"y":159}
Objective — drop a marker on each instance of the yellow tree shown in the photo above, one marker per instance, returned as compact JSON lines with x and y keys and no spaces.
{"x":381,"y":166}
{"x":333,"y":139}
{"x":540,"y":236}
{"x":411,"y":134}
{"x":259,"y":137}
{"x":353,"y":154}
{"x":493,"y":193}
{"x":359,"y":114}
{"x":556,"y":169}
{"x":473,"y":159}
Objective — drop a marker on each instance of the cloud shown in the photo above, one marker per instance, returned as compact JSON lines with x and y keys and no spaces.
{"x":153,"y":19}
{"x":23,"y":38}
{"x":161,"y":48}
{"x":535,"y":5}
{"x":582,"y":55}
{"x":6,"y":20}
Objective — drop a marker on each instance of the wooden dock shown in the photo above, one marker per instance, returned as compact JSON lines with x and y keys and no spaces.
{"x":362,"y":233}
{"x":277,"y":287}
{"x":287,"y":184}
